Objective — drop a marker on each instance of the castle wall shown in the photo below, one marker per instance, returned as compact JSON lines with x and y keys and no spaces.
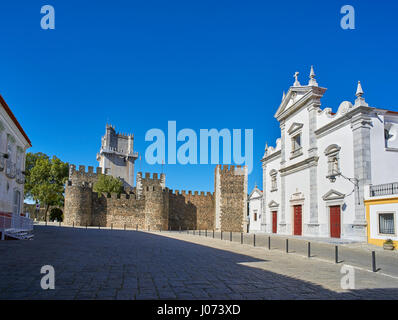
{"x":111,"y":210}
{"x":155,"y":207}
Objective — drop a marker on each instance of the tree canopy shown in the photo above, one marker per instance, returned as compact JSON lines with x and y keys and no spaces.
{"x":108,"y":184}
{"x":45,"y":179}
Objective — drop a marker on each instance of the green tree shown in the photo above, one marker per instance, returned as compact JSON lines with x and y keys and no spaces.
{"x":31,"y":159}
{"x":108,"y":184}
{"x":47,"y":179}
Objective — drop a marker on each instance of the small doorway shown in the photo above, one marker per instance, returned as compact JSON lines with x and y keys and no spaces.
{"x":274,"y":221}
{"x":335,"y":221}
{"x":297,"y":211}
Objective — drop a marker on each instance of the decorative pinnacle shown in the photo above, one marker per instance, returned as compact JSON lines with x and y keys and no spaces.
{"x":284,"y":95}
{"x":359,"y":93}
{"x":360,"y":101}
{"x":296,"y":82}
{"x":312,"y":81}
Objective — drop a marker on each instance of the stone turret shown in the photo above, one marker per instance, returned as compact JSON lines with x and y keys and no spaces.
{"x":230,"y":198}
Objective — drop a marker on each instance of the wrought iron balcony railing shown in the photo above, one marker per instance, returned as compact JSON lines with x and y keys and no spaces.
{"x":385,"y":189}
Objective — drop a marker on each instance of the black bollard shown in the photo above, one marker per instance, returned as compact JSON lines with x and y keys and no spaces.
{"x":287,"y":245}
{"x":206,"y":233}
{"x":73,"y":224}
{"x":213,"y":233}
{"x":374,"y":269}
{"x":309,"y":249}
{"x":230,"y":236}
{"x":269,"y":243}
{"x":254,"y":240}
{"x":336,"y":254}
{"x":111,"y":226}
{"x":241,"y":238}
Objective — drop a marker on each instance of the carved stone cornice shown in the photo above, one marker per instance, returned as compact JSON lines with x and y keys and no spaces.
{"x":307,"y":163}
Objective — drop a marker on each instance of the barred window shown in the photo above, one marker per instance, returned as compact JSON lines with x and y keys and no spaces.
{"x":386,"y":223}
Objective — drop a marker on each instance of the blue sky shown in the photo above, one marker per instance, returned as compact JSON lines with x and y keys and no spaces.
{"x":205,"y":64}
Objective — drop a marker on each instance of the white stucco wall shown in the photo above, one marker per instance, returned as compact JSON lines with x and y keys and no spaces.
{"x":382,"y":158}
{"x":255,"y":206}
{"x":8,"y":186}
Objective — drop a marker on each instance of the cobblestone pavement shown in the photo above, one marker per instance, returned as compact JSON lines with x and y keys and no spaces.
{"x":116,"y":264}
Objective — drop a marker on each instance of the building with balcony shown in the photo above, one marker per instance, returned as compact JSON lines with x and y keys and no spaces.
{"x":315,"y":175}
{"x":13,"y":145}
{"x":381,"y":203}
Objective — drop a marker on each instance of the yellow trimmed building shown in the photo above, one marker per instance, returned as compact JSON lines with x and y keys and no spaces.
{"x":381,"y":203}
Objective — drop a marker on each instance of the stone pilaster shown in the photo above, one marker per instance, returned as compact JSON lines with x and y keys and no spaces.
{"x":283,"y":161}
{"x":361,"y":125}
{"x":264,"y":200}
{"x":313,"y":152}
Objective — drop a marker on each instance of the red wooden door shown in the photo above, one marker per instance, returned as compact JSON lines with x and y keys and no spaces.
{"x":297,"y":220}
{"x":274,"y":221}
{"x":335,"y":222}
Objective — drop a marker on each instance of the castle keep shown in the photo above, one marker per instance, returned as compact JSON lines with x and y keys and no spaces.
{"x":117,"y":155}
{"x":151,"y":205}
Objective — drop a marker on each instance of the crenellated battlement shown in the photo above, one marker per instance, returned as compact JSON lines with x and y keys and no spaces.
{"x":189,"y":193}
{"x":80,"y":176}
{"x":231,"y":169}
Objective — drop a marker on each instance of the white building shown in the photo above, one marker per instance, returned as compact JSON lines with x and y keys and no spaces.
{"x":13,"y":145}
{"x":255,"y":209}
{"x":314,"y":177}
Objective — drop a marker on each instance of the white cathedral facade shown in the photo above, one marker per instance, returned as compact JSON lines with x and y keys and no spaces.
{"x":314,"y":177}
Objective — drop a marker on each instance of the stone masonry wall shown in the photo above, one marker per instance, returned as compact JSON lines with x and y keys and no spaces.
{"x":233,"y":198}
{"x":153,"y":206}
{"x":191,"y":210}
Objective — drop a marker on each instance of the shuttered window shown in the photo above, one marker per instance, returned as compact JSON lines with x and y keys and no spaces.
{"x":386,"y":223}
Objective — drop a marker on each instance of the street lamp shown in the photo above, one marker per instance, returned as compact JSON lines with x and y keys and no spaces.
{"x":332,"y":177}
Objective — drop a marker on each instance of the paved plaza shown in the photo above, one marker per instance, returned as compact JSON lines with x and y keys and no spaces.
{"x":117,"y":264}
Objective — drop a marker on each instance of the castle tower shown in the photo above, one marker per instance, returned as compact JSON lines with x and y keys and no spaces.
{"x":152,"y":189}
{"x":78,"y":204}
{"x":117,"y":155}
{"x":230,"y":193}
